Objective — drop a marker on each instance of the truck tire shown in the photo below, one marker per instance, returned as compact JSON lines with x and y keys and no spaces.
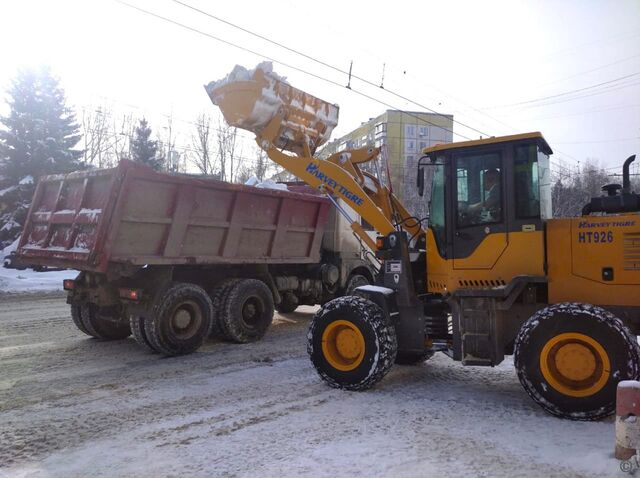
{"x":77,"y":319}
{"x":218,"y":295}
{"x":288,"y":304}
{"x":138,"y":332}
{"x":570,"y":357}
{"x":102,"y":328}
{"x":356,"y":280}
{"x":409,"y":358}
{"x":247,"y":311}
{"x":180,"y":319}
{"x":351,"y":343}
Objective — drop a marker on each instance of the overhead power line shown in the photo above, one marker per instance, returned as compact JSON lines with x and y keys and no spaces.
{"x":288,"y":65}
{"x":323,"y":63}
{"x":565,"y":93}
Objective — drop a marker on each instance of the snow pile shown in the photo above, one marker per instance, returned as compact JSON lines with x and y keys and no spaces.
{"x":9,"y":249}
{"x":26,"y":180}
{"x":240,"y":73}
{"x":266,"y":184}
{"x":12,"y":280}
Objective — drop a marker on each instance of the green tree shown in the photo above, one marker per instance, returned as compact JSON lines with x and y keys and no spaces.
{"x":143,"y":148}
{"x":40,"y":131}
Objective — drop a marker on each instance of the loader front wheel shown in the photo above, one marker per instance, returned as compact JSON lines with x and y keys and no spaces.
{"x":570,"y":357}
{"x":180,"y":320}
{"x":351,"y":343}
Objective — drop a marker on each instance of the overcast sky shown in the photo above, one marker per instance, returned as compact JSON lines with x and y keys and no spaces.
{"x":570,"y":69}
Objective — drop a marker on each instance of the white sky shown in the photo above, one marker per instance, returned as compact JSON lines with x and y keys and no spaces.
{"x":467,"y":58}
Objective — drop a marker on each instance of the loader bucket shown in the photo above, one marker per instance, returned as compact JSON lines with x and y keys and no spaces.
{"x":251,"y":99}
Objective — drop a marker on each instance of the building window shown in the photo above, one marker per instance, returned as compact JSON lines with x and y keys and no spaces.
{"x":380,"y":128}
{"x":410,"y":131}
{"x":423,"y":144}
{"x":410,"y":145}
{"x":423,"y":131}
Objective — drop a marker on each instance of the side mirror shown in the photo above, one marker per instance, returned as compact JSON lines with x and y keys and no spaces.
{"x":420,"y":181}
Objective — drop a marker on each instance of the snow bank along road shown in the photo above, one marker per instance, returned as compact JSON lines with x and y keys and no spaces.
{"x":74,"y":406}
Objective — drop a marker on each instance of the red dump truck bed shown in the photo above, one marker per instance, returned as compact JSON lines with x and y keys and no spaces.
{"x":133,"y":215}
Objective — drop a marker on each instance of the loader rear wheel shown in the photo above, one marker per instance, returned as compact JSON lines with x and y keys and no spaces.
{"x":180,"y":320}
{"x":247,"y":311}
{"x":138,"y":332}
{"x":288,"y":304}
{"x":100,"y":327}
{"x":570,"y":357}
{"x":351,"y":343}
{"x":408,"y":358}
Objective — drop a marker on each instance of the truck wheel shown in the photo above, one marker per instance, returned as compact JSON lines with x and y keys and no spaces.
{"x":138,"y":332}
{"x":180,"y":320}
{"x":356,"y":280}
{"x":77,"y":319}
{"x":288,"y":304}
{"x":247,"y":311}
{"x":409,"y":358}
{"x":102,"y":328}
{"x":351,"y":343}
{"x":218,"y":295}
{"x":570,"y":357}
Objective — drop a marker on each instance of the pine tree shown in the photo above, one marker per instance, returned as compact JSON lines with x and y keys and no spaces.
{"x":40,"y":130}
{"x":143,"y":148}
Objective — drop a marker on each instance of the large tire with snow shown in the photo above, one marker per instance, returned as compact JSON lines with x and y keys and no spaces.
{"x":247,"y":311}
{"x":570,"y":357}
{"x":356,"y":280}
{"x":180,"y":319}
{"x":409,"y":358}
{"x":288,"y":303}
{"x":137,"y":330}
{"x":351,"y":343}
{"x":100,"y":327}
{"x":218,"y":295}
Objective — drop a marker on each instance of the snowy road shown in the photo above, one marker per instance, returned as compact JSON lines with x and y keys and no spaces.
{"x":73,"y":406}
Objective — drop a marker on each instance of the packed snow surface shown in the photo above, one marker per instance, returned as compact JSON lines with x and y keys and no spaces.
{"x":71,"y":406}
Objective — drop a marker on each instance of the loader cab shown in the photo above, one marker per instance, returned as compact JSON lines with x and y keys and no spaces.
{"x":487,"y":206}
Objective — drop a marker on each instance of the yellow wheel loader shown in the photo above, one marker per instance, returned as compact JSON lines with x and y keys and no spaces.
{"x":492,"y":274}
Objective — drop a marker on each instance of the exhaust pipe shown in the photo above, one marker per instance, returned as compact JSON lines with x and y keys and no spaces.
{"x":626,"y":182}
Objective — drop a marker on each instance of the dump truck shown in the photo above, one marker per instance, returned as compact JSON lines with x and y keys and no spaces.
{"x":175,"y":258}
{"x":489,"y":274}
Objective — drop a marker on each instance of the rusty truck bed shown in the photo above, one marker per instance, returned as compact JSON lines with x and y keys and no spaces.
{"x":133,"y":215}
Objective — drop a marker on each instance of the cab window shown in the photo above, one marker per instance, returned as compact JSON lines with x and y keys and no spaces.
{"x":479,"y":189}
{"x":527,"y":182}
{"x":436,"y":208}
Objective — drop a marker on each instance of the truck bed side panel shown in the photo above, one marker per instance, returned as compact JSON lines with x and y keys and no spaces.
{"x":133,"y":215}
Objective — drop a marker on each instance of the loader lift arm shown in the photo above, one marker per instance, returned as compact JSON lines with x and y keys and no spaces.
{"x":284,"y":118}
